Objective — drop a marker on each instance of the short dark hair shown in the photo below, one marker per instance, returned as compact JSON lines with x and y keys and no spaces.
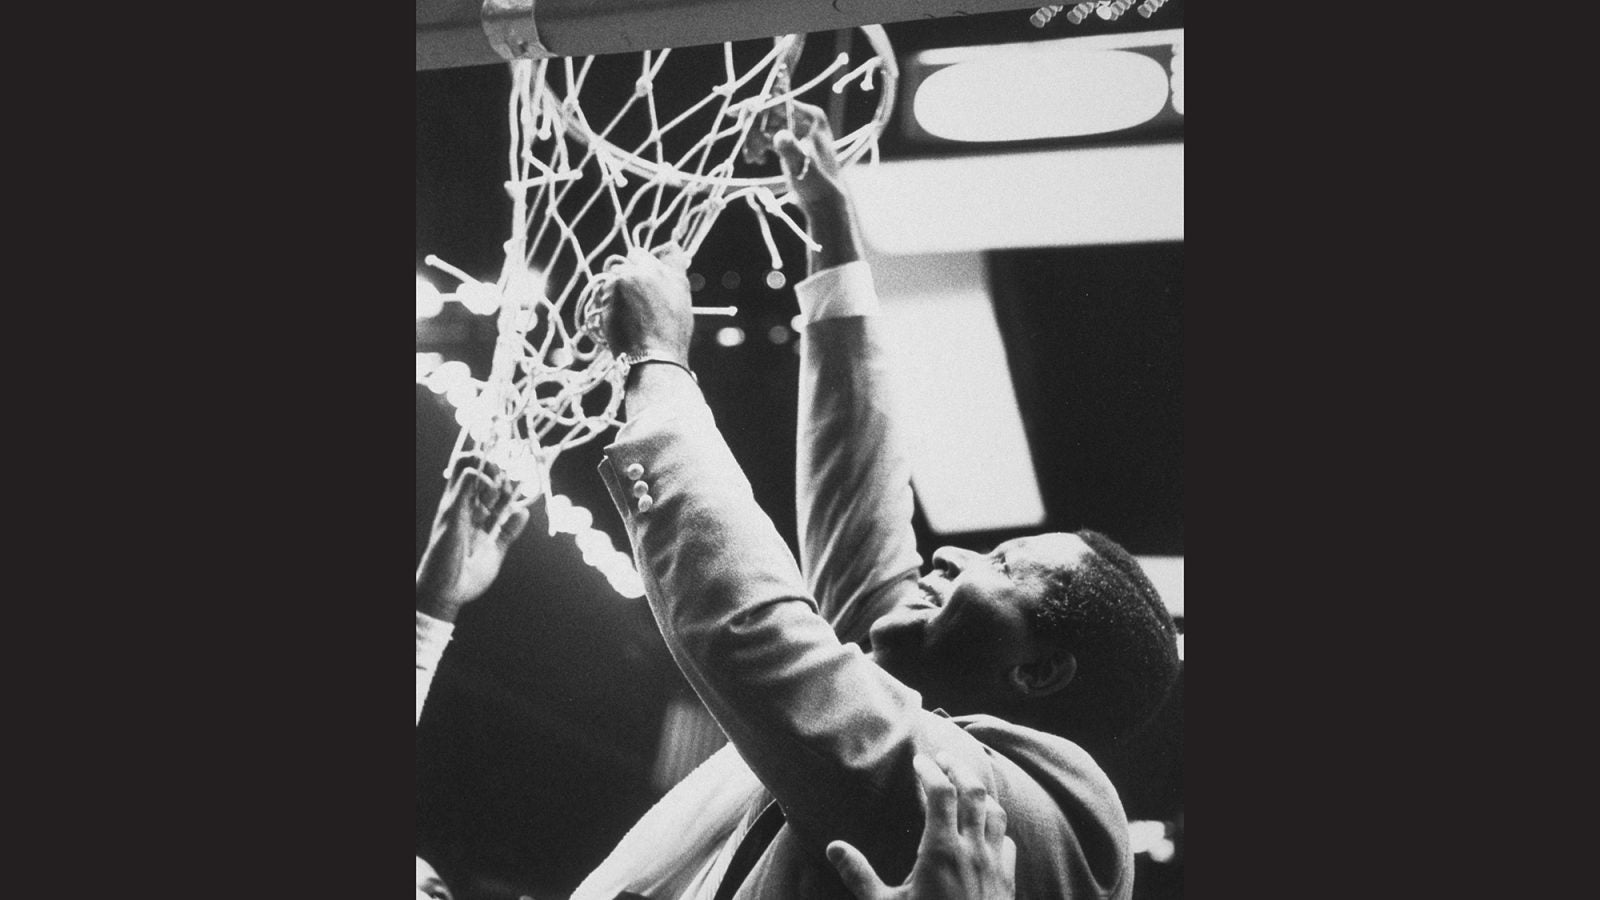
{"x":1109,"y":616}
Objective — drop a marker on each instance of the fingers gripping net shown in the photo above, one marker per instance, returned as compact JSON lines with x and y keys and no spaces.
{"x":609,"y":155}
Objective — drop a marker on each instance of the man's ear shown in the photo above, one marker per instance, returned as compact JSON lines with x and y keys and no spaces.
{"x":1051,"y":672}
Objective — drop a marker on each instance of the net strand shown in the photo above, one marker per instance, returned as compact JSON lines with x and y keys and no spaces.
{"x":582,"y":199}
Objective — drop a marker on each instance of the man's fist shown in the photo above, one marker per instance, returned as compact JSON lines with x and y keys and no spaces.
{"x":649,"y":313}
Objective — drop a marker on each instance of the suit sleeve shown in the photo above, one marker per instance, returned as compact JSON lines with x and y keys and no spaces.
{"x":853,"y":492}
{"x":827,"y":731}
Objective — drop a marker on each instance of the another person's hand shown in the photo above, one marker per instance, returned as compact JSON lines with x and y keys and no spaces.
{"x":477,"y":522}
{"x":650,"y":313}
{"x":964,"y":854}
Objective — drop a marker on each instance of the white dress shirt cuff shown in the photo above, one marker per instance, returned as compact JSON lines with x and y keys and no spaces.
{"x":845,"y":290}
{"x":432,"y":637}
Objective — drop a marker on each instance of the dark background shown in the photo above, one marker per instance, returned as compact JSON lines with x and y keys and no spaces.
{"x":535,"y":751}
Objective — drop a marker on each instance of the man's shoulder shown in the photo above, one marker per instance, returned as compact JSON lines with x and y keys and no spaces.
{"x":1070,"y":816}
{"x":1047,"y":771}
{"x":1036,"y":751}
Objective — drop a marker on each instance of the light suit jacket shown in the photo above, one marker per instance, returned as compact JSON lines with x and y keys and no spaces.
{"x":812,"y":721}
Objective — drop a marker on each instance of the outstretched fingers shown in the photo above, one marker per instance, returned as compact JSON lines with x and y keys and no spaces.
{"x":856,"y":872}
{"x":673,"y":254}
{"x":462,"y":502}
{"x":510,"y":526}
{"x":938,"y":795}
{"x":514,"y":517}
{"x":972,"y":796}
{"x":994,"y":823}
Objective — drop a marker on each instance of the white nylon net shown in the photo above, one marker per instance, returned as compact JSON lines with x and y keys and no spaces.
{"x":665,"y":163}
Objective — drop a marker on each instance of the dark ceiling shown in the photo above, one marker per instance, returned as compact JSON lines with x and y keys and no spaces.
{"x":534,"y":753}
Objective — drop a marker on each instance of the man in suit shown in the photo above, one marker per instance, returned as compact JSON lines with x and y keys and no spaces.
{"x":1010,"y":663}
{"x":963,"y":854}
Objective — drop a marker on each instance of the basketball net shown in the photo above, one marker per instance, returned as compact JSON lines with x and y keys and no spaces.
{"x":659,"y":171}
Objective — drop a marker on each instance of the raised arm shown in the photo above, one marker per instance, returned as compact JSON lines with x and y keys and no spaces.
{"x":826,"y":730}
{"x":852,"y":476}
{"x":476,"y":524}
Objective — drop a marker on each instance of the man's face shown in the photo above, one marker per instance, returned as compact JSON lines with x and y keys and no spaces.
{"x":958,"y":641}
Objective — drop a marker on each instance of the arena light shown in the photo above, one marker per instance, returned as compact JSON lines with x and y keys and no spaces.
{"x":1151,"y":838}
{"x":447,"y":375}
{"x":1166,"y":574}
{"x":426,"y":363}
{"x":956,"y":386}
{"x":1046,"y":198}
{"x":429,"y":302}
{"x":1077,"y":87}
{"x":1070,"y":95}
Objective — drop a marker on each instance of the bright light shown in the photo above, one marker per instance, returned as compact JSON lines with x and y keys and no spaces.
{"x":429,"y":303}
{"x":1052,"y":198}
{"x":625,"y":581}
{"x":426,"y":363}
{"x":594,"y":545}
{"x":776,"y":280}
{"x":1180,"y":647}
{"x":797,"y":324}
{"x":730,"y":336}
{"x":450,"y":373}
{"x":1151,"y":838}
{"x":1166,"y":575}
{"x":1056,"y":94}
{"x":573,"y":519}
{"x":479,"y":298}
{"x":957,"y":393}
{"x":461,"y":393}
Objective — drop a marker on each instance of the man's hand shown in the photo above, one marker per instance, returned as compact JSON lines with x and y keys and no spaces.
{"x":804,"y":144}
{"x":475,"y":526}
{"x":650,"y":313}
{"x":964,"y":854}
{"x":805,"y":150}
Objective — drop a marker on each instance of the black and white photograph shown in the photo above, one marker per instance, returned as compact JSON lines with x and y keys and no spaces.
{"x":800,"y":414}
